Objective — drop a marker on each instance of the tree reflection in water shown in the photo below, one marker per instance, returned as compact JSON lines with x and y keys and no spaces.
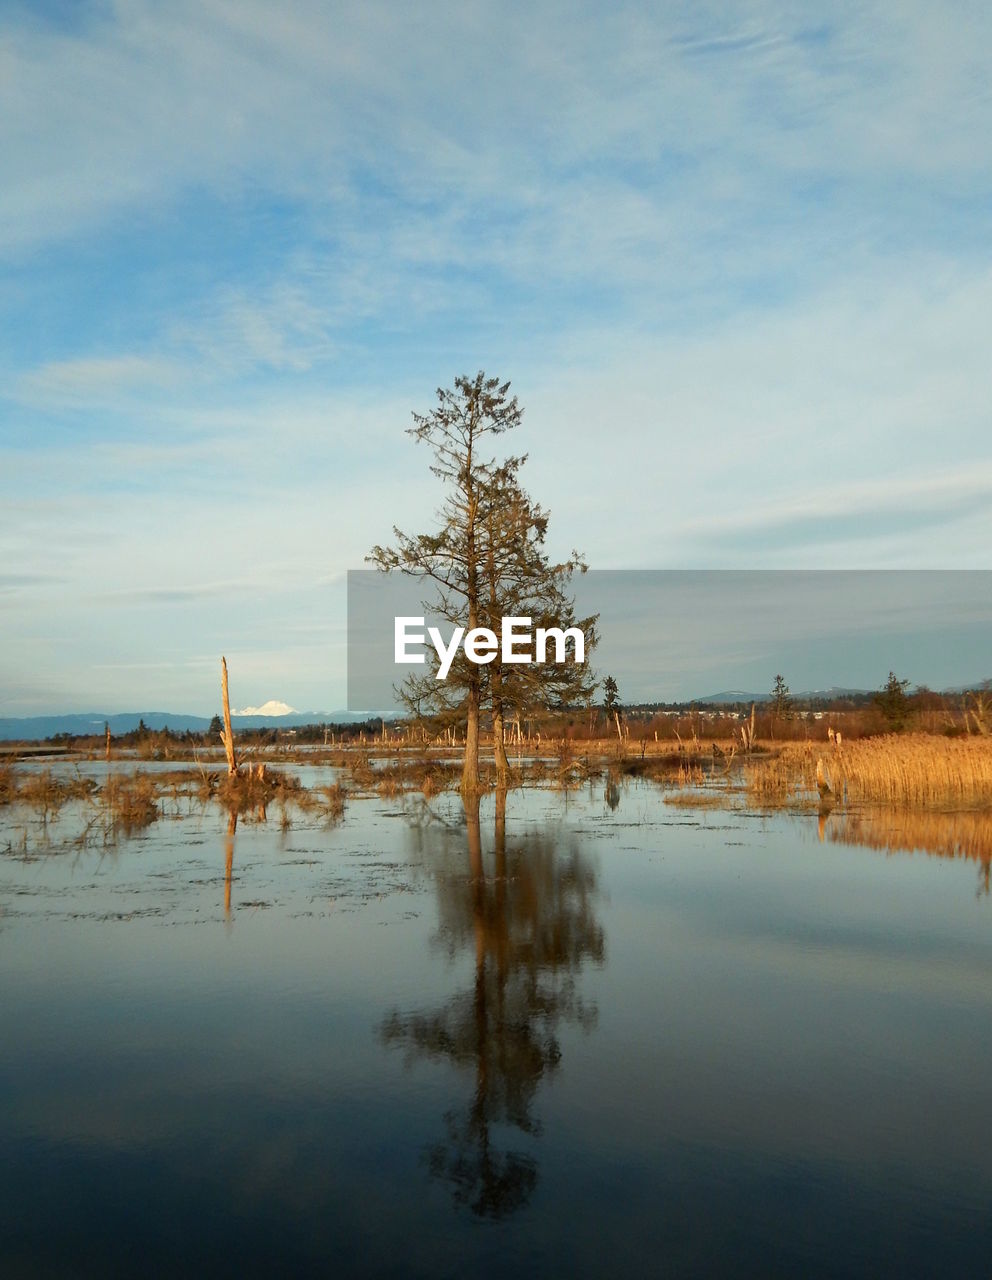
{"x":532,"y":927}
{"x":232,"y":826}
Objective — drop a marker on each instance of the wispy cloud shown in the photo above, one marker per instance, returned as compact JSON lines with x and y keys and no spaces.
{"x":735,"y":262}
{"x":180,"y":594}
{"x":95,"y":381}
{"x":10,"y":582}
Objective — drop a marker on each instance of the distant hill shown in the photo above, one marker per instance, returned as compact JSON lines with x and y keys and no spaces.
{"x":36,"y":728}
{"x":729,"y":697}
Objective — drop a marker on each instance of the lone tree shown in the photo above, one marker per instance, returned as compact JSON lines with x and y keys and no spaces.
{"x":486,"y":561}
{"x":893,"y":703}
{"x":611,"y":702}
{"x":781,"y":702}
{"x":521,"y":581}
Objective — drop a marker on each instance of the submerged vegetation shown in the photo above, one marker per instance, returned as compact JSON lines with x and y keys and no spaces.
{"x":909,"y":773}
{"x":125,"y":803}
{"x":130,"y":802}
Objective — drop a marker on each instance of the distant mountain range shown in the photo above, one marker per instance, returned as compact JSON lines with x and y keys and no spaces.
{"x":35,"y":728}
{"x":730,"y":696}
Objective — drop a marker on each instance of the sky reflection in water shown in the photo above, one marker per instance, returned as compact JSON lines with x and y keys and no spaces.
{"x":587,"y":1033}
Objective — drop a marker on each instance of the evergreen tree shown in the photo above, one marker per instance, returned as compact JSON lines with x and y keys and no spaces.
{"x":893,"y":703}
{"x":485,"y":562}
{"x":611,"y":697}
{"x":781,"y":702}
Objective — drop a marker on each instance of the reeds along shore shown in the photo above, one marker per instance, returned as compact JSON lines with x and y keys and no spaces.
{"x":912,"y":769}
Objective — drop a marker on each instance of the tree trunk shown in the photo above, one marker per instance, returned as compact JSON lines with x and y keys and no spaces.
{"x":499,"y":728}
{"x":232,"y":826}
{"x":499,"y":744}
{"x":227,"y":736}
{"x":470,"y":767}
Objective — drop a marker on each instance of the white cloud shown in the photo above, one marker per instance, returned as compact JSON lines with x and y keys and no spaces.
{"x":733,"y":261}
{"x":467,"y":104}
{"x":88,"y":382}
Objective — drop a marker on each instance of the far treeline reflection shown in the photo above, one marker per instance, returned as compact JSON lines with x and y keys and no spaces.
{"x":531,"y":924}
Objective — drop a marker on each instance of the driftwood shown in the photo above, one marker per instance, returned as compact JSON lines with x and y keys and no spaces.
{"x":747,"y":732}
{"x":226,"y":734}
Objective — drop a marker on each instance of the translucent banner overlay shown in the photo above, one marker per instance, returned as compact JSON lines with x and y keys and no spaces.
{"x":678,"y":636}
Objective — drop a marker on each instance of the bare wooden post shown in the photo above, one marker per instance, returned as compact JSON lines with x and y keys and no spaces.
{"x":108,"y":742}
{"x":226,"y":735}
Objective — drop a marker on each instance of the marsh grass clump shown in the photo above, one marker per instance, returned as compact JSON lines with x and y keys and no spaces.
{"x":916,"y":769}
{"x":362,"y":772}
{"x":690,"y":774}
{"x":326,"y":801}
{"x":569,"y":769}
{"x":563,"y":769}
{"x":47,"y":794}
{"x":698,"y":799}
{"x":8,"y":784}
{"x":333,"y":796}
{"x":183,"y":784}
{"x":909,"y":769}
{"x":394,"y":777}
{"x":129,"y":802}
{"x":667,"y":766}
{"x":787,"y":777}
{"x":255,"y":787}
{"x":388,"y":786}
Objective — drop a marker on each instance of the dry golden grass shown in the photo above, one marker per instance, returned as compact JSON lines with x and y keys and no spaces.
{"x":326,"y":801}
{"x":333,"y":798}
{"x":255,"y":788}
{"x":8,"y":784}
{"x":785,"y":777}
{"x":914,"y":769}
{"x":129,"y":801}
{"x":910,"y":769}
{"x":690,"y":774}
{"x":47,"y":793}
{"x":698,"y":799}
{"x":392,"y":778}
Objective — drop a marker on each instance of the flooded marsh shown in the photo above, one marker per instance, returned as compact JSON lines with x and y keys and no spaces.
{"x":574,"y":1031}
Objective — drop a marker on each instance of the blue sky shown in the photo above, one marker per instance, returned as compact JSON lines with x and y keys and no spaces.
{"x":734,"y":259}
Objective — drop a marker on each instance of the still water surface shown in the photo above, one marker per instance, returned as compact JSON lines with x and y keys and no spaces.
{"x":574,"y":1039}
